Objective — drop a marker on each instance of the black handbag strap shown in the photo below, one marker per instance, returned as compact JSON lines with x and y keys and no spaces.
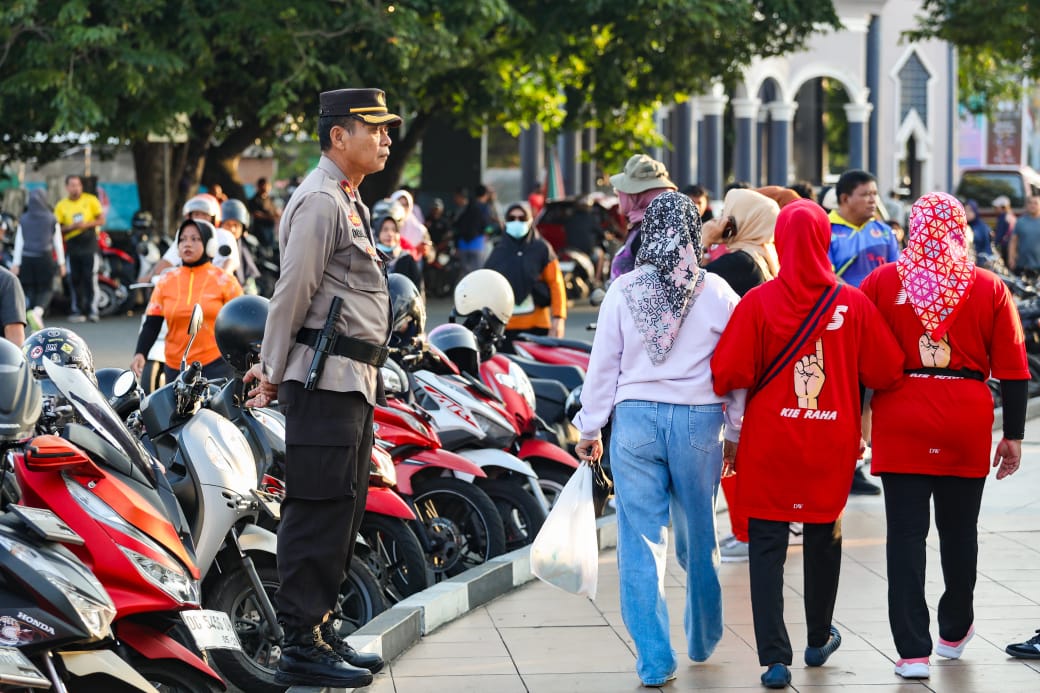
{"x":800,"y":336}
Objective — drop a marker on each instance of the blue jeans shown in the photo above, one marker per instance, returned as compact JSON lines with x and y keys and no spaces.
{"x":667,"y":457}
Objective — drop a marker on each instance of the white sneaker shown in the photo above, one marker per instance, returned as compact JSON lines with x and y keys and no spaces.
{"x":796,"y":538}
{"x":954,"y":650}
{"x":913,"y":668}
{"x":35,"y":319}
{"x":732,"y":550}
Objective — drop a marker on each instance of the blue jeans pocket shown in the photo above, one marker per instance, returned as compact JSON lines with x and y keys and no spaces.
{"x":635,"y":424}
{"x":706,"y":428}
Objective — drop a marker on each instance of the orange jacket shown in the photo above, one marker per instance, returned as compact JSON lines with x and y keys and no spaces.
{"x":174,"y":297}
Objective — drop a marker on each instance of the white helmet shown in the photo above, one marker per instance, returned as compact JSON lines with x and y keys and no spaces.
{"x":203,"y":202}
{"x":484,"y":288}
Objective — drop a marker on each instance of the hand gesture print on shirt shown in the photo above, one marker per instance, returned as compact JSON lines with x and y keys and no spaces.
{"x":809,"y":377}
{"x":934,"y":354}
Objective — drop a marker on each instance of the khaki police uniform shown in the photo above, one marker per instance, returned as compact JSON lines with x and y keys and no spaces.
{"x":327,"y":250}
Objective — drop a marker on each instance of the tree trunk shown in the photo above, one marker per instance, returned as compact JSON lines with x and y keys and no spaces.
{"x":221,"y":165}
{"x":158,"y":169}
{"x":379,"y":185}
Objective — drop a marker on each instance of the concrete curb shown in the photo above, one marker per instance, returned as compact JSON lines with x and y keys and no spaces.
{"x":397,"y":629}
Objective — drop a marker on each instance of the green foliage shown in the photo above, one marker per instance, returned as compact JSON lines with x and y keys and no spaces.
{"x":998,"y":43}
{"x":245,"y":71}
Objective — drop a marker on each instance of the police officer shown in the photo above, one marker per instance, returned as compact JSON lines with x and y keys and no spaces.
{"x":328,"y":251}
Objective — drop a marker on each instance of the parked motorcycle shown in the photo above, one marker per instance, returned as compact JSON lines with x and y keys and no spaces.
{"x":103,"y":484}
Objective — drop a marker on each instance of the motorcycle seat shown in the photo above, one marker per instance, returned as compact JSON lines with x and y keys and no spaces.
{"x":570,"y":376}
{"x":579,"y":344}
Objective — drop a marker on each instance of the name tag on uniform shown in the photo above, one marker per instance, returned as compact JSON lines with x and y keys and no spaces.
{"x":358,"y":231}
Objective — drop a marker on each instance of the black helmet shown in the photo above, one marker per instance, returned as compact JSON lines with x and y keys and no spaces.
{"x":20,"y":397}
{"x":235,"y":210}
{"x":142,"y":220}
{"x":409,"y":309}
{"x":239,"y":330}
{"x":460,"y":345}
{"x":61,"y":346}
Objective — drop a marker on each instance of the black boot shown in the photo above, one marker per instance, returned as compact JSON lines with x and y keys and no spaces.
{"x":862,"y":487}
{"x":365,"y":660}
{"x":307,"y":660}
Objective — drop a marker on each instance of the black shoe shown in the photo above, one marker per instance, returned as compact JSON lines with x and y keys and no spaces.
{"x":816,"y":656}
{"x":1030,"y":649}
{"x":365,"y":660}
{"x":777,"y":676}
{"x":862,"y":487}
{"x":307,"y":660}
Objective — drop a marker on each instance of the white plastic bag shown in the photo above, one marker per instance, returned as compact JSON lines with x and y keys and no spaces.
{"x":565,"y":553}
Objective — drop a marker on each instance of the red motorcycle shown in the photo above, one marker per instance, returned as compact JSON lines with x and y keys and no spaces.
{"x":99,"y":480}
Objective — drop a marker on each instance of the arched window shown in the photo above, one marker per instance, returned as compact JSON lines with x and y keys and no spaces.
{"x":913,"y":88}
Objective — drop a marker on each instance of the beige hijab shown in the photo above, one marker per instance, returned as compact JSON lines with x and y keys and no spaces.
{"x":756,"y":217}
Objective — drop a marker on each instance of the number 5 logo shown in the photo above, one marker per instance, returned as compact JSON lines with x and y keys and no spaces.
{"x":838,"y":319}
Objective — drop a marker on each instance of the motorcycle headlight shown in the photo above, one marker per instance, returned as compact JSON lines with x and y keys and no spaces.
{"x":385,"y":466}
{"x":522,"y":384}
{"x":173,"y":581}
{"x":96,"y":616}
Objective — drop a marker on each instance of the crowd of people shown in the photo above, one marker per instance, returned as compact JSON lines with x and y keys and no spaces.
{"x":763,"y":339}
{"x":763,"y":347}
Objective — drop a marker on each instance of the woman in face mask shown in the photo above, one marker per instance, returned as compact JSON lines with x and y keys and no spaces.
{"x":400,"y":261}
{"x":529,"y":264}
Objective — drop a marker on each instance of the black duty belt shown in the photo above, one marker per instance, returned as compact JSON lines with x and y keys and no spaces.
{"x":950,"y":373}
{"x":348,"y":347}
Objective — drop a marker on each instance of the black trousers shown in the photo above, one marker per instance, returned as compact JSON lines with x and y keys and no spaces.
{"x":83,"y":271}
{"x":328,"y":455}
{"x":37,"y":277}
{"x":767,"y":552}
{"x":907,"y":512}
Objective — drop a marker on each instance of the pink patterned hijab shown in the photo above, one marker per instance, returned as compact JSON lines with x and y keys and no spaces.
{"x":667,"y":279}
{"x":935,"y":269}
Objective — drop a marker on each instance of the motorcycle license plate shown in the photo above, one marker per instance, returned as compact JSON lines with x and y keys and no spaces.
{"x":16,"y":670}
{"x":212,"y":630}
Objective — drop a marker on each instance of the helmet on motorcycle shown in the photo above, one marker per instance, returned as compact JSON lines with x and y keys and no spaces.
{"x":484,"y":303}
{"x":239,"y":329}
{"x":460,"y":345}
{"x":235,"y":210}
{"x":484,"y":288}
{"x":203,"y":203}
{"x":409,"y":310}
{"x":142,"y":220}
{"x":20,"y":398}
{"x":61,"y":346}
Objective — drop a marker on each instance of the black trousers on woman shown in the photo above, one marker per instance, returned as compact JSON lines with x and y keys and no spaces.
{"x":767,"y":552}
{"x":908,"y":500}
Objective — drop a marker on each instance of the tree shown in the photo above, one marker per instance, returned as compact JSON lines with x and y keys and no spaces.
{"x":216,"y":76}
{"x":998,"y":42}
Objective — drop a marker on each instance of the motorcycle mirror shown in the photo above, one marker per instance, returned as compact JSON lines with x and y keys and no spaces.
{"x":224,"y":251}
{"x":597,"y":296}
{"x":125,"y":384}
{"x":194,"y":325}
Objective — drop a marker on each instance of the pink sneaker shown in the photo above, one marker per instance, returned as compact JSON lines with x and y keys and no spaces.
{"x":953,"y":650}
{"x":913,"y":668}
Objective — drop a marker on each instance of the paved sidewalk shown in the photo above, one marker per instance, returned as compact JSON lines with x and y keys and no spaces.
{"x":539,"y":639}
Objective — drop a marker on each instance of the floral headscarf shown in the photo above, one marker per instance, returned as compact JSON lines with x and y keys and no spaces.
{"x":936,"y":270}
{"x":667,"y":279}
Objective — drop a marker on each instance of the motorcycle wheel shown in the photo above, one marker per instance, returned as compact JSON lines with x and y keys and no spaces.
{"x":253,"y":668}
{"x":169,"y":676}
{"x":394,"y":555}
{"x":462,"y":523}
{"x":153,"y":376}
{"x":110,"y":298}
{"x":552,"y":478}
{"x":522,"y":515}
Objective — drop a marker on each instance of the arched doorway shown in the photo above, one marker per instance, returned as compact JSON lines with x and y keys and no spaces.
{"x":821,"y":136}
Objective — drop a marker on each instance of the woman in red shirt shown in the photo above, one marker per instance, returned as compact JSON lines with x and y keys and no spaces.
{"x":957,"y":326}
{"x":802,"y":344}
